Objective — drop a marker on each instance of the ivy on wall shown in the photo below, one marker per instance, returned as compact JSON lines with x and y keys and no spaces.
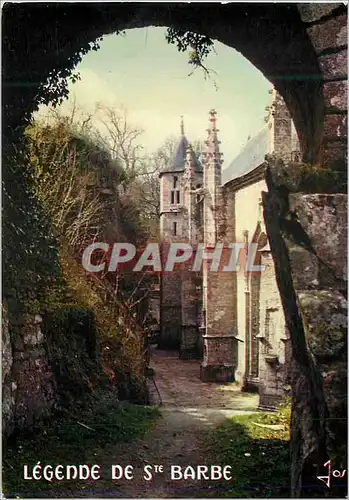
{"x":30,"y":256}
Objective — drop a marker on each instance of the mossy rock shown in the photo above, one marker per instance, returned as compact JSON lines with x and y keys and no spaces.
{"x":327,"y":341}
{"x":306,"y":178}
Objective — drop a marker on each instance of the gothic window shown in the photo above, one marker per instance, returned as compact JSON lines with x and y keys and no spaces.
{"x":175,"y":179}
{"x":175,"y":229}
{"x":172,"y":197}
{"x":178,"y":197}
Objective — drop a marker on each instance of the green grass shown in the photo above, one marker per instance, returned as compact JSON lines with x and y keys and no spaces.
{"x":64,"y":441}
{"x":260,"y":457}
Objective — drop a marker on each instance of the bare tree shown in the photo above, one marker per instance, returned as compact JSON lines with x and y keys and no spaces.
{"x":146,"y":185}
{"x":121,"y":138}
{"x":64,"y":183}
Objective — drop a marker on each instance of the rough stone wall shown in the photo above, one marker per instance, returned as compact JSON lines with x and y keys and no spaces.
{"x":8,"y":386}
{"x":326,"y":26}
{"x":190,"y":296}
{"x":322,"y":301}
{"x":280,"y":127}
{"x":28,"y":383}
{"x":308,"y":239}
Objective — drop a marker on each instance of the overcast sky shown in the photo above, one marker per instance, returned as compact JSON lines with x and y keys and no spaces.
{"x":144,"y":74}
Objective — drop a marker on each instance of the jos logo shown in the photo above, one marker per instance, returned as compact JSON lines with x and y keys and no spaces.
{"x":330,"y":473}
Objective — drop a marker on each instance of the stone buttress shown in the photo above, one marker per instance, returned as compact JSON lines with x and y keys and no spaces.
{"x":218,"y":287}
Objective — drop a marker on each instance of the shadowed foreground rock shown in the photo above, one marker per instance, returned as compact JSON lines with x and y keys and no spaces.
{"x":308,"y":234}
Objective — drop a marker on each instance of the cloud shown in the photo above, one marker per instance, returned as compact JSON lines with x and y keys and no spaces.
{"x":91,"y":89}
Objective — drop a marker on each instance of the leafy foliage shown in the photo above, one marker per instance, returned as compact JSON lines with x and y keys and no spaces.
{"x":200,"y":45}
{"x":55,"y":89}
{"x":30,"y":256}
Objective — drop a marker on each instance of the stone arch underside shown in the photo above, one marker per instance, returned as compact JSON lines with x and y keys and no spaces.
{"x":273,"y":37}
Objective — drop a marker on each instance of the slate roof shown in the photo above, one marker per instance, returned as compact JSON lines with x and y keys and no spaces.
{"x":251,"y":156}
{"x":177,"y":163}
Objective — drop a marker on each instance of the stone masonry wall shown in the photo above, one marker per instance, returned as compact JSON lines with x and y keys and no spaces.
{"x":190,"y":294}
{"x":170,"y":307}
{"x":272,"y":339}
{"x":28,"y":383}
{"x":326,"y":25}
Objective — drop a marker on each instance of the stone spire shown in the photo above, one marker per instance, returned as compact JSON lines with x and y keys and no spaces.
{"x":182,"y":126}
{"x":212,"y":180}
{"x":212,"y":142}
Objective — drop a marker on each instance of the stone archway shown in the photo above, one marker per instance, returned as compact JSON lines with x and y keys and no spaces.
{"x":300,"y":48}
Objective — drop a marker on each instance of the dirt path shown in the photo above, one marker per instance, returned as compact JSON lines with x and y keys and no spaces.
{"x":190,"y":408}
